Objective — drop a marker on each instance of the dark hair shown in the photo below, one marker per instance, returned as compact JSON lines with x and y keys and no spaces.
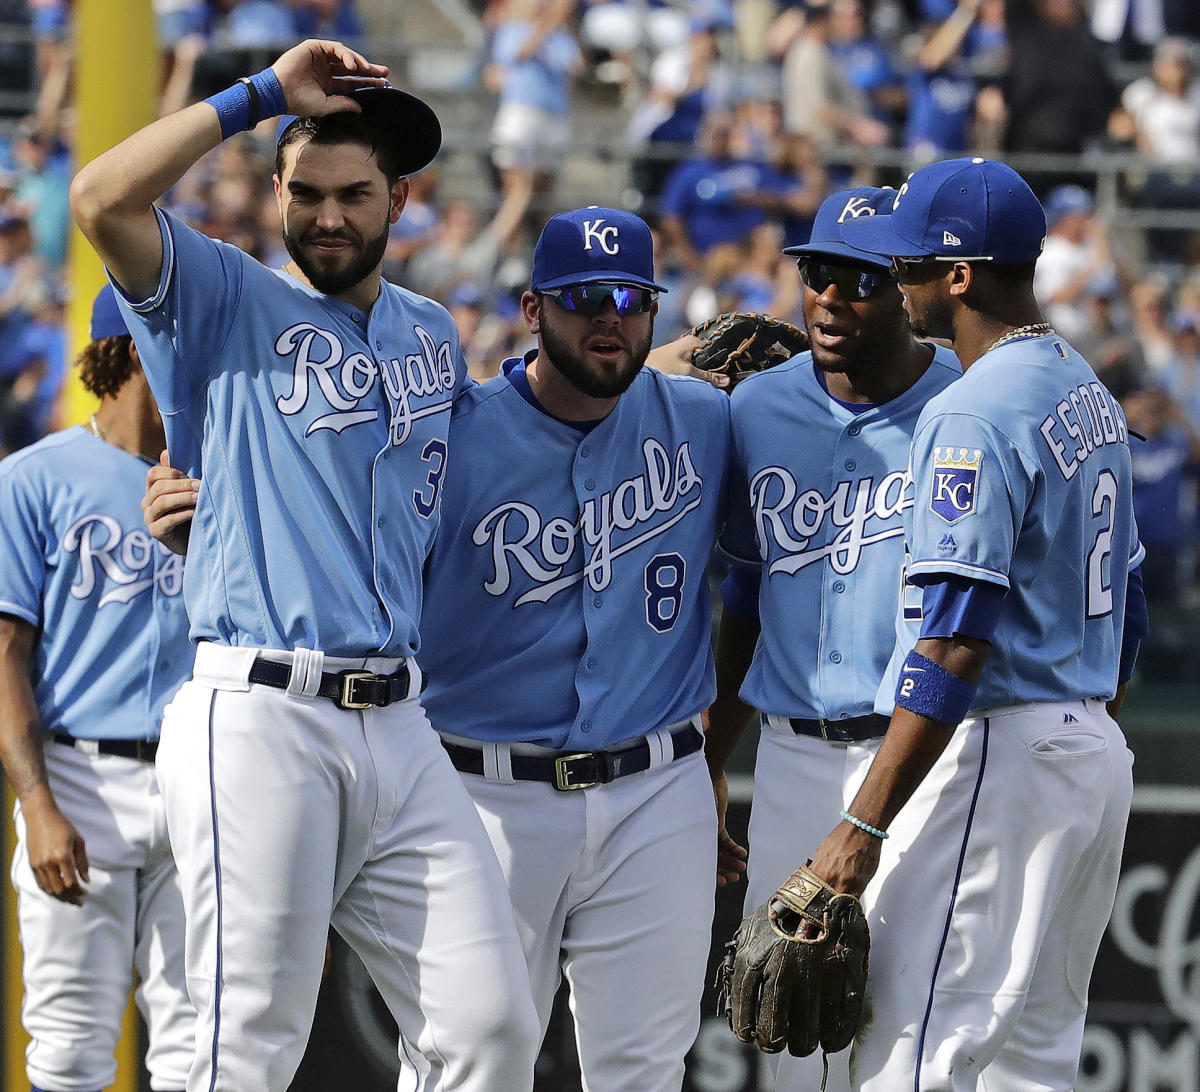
{"x":343,"y":128}
{"x":106,"y":365}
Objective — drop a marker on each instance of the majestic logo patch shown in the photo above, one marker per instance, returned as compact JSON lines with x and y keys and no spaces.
{"x":955,"y":479}
{"x":946,"y":542}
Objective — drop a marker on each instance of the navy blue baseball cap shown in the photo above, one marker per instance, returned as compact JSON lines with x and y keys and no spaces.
{"x":959,"y":208}
{"x":594,"y":244}
{"x":107,"y":320}
{"x":840,"y":208}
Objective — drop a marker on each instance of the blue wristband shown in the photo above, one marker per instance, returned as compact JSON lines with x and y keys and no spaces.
{"x":929,"y":689}
{"x":233,"y":109}
{"x":863,"y":826}
{"x":248,"y":101}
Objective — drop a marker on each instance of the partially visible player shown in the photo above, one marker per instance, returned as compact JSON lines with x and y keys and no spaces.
{"x":1003,"y":784}
{"x":302,"y":780}
{"x":816,"y":541}
{"x":93,"y":642}
{"x":567,"y":635}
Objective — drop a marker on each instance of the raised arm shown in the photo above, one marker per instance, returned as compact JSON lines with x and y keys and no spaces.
{"x":112,"y":197}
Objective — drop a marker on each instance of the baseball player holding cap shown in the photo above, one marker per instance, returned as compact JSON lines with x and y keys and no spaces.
{"x":816,"y":540}
{"x":93,"y":642}
{"x":302,"y":781}
{"x":988,"y":829}
{"x":578,"y":516}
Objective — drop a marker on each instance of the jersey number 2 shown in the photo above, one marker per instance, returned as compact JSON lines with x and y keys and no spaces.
{"x":435,"y":453}
{"x":1099,"y":591}
{"x":664,"y":590}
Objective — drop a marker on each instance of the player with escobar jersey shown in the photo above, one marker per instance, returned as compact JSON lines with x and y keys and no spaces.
{"x":566,"y":635}
{"x":93,"y":643}
{"x":993,"y":816}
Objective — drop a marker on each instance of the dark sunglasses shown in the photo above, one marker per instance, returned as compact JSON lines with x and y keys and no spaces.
{"x":589,"y":299}
{"x":853,"y":282}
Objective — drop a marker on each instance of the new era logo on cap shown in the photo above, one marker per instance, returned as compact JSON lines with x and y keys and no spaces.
{"x":594,"y":244}
{"x":950,"y":239}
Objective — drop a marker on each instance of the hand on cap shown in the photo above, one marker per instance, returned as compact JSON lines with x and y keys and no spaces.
{"x":316,"y":76}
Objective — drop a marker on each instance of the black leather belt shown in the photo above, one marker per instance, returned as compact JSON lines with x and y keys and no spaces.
{"x":346,"y":689}
{"x":850,"y":730}
{"x":578,"y":770}
{"x":143,"y":750}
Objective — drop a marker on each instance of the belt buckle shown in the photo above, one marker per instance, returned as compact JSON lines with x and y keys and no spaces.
{"x":348,"y":679}
{"x":839,"y":735}
{"x":562,"y":775}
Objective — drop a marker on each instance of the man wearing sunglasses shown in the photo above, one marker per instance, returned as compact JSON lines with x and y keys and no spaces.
{"x":566,"y":637}
{"x":815,"y":537}
{"x":1003,"y":784}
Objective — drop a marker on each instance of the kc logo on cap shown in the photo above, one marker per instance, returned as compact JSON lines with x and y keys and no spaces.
{"x":586,"y":246}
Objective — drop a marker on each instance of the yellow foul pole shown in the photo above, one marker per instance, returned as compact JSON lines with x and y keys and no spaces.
{"x":117,"y":77}
{"x":116,"y":82}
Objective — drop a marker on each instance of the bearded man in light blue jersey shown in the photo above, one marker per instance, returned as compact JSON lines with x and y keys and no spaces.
{"x":303,"y":783}
{"x":567,"y":634}
{"x":987,"y":832}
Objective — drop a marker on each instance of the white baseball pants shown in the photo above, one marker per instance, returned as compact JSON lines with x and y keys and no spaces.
{"x":287,"y":813}
{"x":801,"y":784}
{"x":992,"y":896}
{"x":78,"y":962}
{"x":613,"y":886}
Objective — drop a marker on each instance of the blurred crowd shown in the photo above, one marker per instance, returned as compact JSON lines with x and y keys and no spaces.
{"x":736,"y":118}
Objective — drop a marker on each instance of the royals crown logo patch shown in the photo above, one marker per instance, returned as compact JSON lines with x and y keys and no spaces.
{"x":955,"y":480}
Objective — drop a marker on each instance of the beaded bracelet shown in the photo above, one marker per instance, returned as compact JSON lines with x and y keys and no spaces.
{"x":864,"y":826}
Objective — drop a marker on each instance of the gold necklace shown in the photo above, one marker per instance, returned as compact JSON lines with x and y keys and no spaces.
{"x":97,"y":431}
{"x":1033,"y":329}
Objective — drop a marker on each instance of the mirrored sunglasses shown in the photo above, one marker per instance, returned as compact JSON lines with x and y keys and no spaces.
{"x":853,"y":282}
{"x":589,"y":299}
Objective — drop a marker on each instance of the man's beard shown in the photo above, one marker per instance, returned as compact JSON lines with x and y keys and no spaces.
{"x":937,"y":321}
{"x":568,"y":360}
{"x":341,"y":278}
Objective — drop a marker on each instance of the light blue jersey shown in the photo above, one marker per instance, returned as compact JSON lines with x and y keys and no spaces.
{"x":322,"y":434}
{"x":566,"y":600}
{"x":1022,"y":478}
{"x":77,"y":562}
{"x":817,"y":504}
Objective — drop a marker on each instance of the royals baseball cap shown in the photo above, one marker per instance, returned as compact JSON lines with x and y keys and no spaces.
{"x":968,"y":208}
{"x":107,"y":320}
{"x":408,"y":120}
{"x":594,"y":244}
{"x":841,"y":208}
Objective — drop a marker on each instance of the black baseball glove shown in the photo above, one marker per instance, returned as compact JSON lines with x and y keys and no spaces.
{"x":740,"y":343}
{"x":779,"y":988}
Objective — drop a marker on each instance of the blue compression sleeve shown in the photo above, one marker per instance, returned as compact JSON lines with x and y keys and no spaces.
{"x":956,"y":606}
{"x":1137,"y":625}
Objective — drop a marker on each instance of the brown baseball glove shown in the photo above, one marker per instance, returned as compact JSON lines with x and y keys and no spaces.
{"x":781,"y":988}
{"x":740,"y":343}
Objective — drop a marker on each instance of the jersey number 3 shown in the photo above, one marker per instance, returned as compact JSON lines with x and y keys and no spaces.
{"x":664,"y":590}
{"x":425,"y":500}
